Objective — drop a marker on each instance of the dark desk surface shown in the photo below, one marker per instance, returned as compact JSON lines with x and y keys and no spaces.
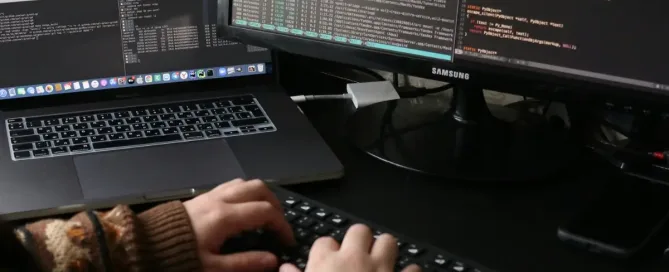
{"x":508,"y":228}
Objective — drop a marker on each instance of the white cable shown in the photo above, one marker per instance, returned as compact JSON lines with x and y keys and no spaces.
{"x":304,"y":98}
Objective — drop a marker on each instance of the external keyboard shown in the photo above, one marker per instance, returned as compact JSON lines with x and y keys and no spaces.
{"x":311,"y":220}
{"x":112,"y":129}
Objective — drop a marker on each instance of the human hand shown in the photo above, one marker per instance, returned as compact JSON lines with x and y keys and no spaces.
{"x":228,"y":210}
{"x":357,"y":253}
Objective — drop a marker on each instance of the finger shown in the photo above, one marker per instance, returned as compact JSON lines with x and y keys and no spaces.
{"x":254,"y":190}
{"x":412,"y":268}
{"x":287,"y":267}
{"x":384,"y":251}
{"x":322,"y":247}
{"x":242,"y":262}
{"x":358,"y":238}
{"x":256,"y":215}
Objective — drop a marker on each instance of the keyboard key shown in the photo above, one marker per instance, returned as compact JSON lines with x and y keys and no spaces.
{"x":116,"y":122}
{"x":322,"y":229}
{"x":156,"y":111}
{"x":86,"y":132}
{"x":413,"y":250}
{"x":26,"y":139}
{"x":338,"y":235}
{"x":151,"y":118}
{"x":243,"y":115}
{"x":266,"y":128}
{"x":140,"y":126}
{"x":99,"y":124}
{"x":99,"y":138}
{"x":15,"y":120}
{"x":257,"y":113}
{"x":193,"y":135}
{"x":223,"y":125}
{"x":175,"y":123}
{"x":104,"y":116}
{"x":210,"y":119}
{"x":80,"y":126}
{"x":138,"y":112}
{"x":166,"y":117}
{"x":42,"y":144}
{"x":231,"y":133}
{"x":163,"y":124}
{"x":59,"y":150}
{"x":134,"y":134}
{"x":187,"y":129}
{"x":70,"y":120}
{"x":189,"y":107}
{"x":172,"y":109}
{"x":235,"y":109}
{"x":184,"y":115}
{"x":226,"y":117}
{"x":22,"y":147}
{"x":337,"y":220}
{"x":248,"y":130}
{"x":80,"y":148}
{"x":68,"y":134}
{"x":82,"y":140}
{"x":116,"y":136}
{"x":305,"y":222}
{"x":290,"y":215}
{"x":51,"y":122}
{"x":204,"y":126}
{"x":121,"y":114}
{"x":152,"y":132}
{"x":34,"y":124}
{"x":250,"y":122}
{"x":458,"y":267}
{"x":251,"y":107}
{"x":105,"y":130}
{"x":43,"y":130}
{"x":207,"y":105}
{"x":41,"y":152}
{"x":192,"y":121}
{"x":403,"y":262}
{"x":21,"y":132}
{"x":62,"y":128}
{"x":202,"y":113}
{"x":219,"y":111}
{"x":440,"y":261}
{"x":222,"y":103}
{"x":87,"y":118}
{"x":61,"y":142}
{"x":304,"y":207}
{"x":134,"y":120}
{"x":243,"y":100}
{"x":170,"y":130}
{"x":122,"y":128}
{"x":138,"y":141}
{"x":22,"y":155}
{"x":213,"y":133}
{"x":321,"y":214}
{"x":14,"y":126}
{"x":50,"y":136}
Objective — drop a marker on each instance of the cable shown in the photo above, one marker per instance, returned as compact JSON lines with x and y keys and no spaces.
{"x":396,"y":80}
{"x":305,"y":98}
{"x":424,"y":91}
{"x":371,"y":73}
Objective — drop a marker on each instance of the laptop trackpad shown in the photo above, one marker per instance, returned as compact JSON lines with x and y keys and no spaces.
{"x":156,"y":169}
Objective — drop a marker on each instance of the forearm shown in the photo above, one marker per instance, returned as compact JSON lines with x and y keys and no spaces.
{"x":160,"y":239}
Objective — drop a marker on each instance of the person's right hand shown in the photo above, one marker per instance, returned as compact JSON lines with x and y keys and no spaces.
{"x":357,"y":253}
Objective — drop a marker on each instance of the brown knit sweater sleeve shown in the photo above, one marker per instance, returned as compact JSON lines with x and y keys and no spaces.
{"x":160,"y":239}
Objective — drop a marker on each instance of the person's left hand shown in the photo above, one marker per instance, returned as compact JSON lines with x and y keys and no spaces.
{"x":228,"y":210}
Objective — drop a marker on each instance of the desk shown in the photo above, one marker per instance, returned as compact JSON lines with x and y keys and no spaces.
{"x":508,"y":228}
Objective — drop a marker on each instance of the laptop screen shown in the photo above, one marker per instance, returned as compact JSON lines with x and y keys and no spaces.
{"x":64,"y":46}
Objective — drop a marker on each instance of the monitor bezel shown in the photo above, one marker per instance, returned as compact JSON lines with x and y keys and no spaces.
{"x":486,"y":74}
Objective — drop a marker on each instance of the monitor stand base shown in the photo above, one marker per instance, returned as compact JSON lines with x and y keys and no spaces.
{"x":461,"y":138}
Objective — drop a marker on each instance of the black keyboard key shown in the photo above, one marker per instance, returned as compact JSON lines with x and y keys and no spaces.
{"x":116,"y":122}
{"x":59,"y":150}
{"x":87,"y":118}
{"x":105,"y":130}
{"x":266,"y":128}
{"x":138,"y":112}
{"x":301,"y":234}
{"x":122,"y":128}
{"x":305,"y":222}
{"x":172,"y":109}
{"x":251,"y":108}
{"x":43,"y":130}
{"x":193,"y":135}
{"x":227,"y":117}
{"x":156,"y":111}
{"x":61,"y":142}
{"x":99,"y":138}
{"x":41,"y":152}
{"x":105,"y":116}
{"x":192,"y":121}
{"x":243,"y":115}
{"x":248,"y":130}
{"x":134,"y":120}
{"x":322,"y":229}
{"x":304,"y":207}
{"x":99,"y":124}
{"x":440,"y":261}
{"x":138,"y":141}
{"x":235,"y":109}
{"x":151,"y":118}
{"x":170,"y":131}
{"x":243,"y":100}
{"x":337,"y":220}
{"x":82,"y":140}
{"x":321,"y":214}
{"x":152,"y":132}
{"x":223,"y":125}
{"x":175,"y":123}
{"x":231,"y":133}
{"x":22,"y":155}
{"x":70,"y":120}
{"x":133,"y":134}
{"x":290,"y":202}
{"x":140,"y":126}
{"x":210,"y":119}
{"x":14,"y":126}
{"x":62,"y":128}
{"x":290,"y":215}
{"x":213,"y":133}
{"x":257,"y":113}
{"x":206,"y":105}
{"x":205,"y":126}
{"x":183,"y":115}
{"x":338,"y":235}
{"x":50,"y":136}
{"x":222,"y":103}
{"x":86,"y":132}
{"x":190,"y":107}
{"x":413,"y":250}
{"x":458,"y":267}
{"x":166,"y":117}
{"x":22,"y":147}
{"x":121,"y":114}
{"x":68,"y":134}
{"x":164,"y":125}
{"x":250,"y":122}
{"x":187,"y":128}
{"x":26,"y":139}
{"x":219,"y":111}
{"x":116,"y":136}
{"x":22,"y":132}
{"x":15,"y":120}
{"x":80,"y":126}
{"x":403,"y":262}
{"x":51,"y":122}
{"x":34,"y":124}
{"x":80,"y":148}
{"x":42,"y":144}
{"x":202,"y":113}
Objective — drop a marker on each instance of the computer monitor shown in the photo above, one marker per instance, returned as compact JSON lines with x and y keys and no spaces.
{"x":49,"y":49}
{"x":596,"y":47}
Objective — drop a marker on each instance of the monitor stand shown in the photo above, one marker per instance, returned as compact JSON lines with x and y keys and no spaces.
{"x":461,"y":138}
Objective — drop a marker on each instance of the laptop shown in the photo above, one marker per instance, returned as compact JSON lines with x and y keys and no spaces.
{"x":106,"y":102}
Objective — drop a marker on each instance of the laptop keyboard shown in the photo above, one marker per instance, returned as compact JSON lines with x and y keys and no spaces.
{"x":121,"y":128}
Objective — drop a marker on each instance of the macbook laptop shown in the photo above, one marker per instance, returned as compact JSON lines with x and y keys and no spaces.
{"x":106,"y":102}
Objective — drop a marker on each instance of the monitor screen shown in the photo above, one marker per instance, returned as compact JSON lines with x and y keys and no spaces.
{"x":64,"y":46}
{"x":614,"y":42}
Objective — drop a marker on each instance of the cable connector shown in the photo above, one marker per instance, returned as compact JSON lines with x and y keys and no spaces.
{"x":305,"y":98}
{"x":362,"y":94}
